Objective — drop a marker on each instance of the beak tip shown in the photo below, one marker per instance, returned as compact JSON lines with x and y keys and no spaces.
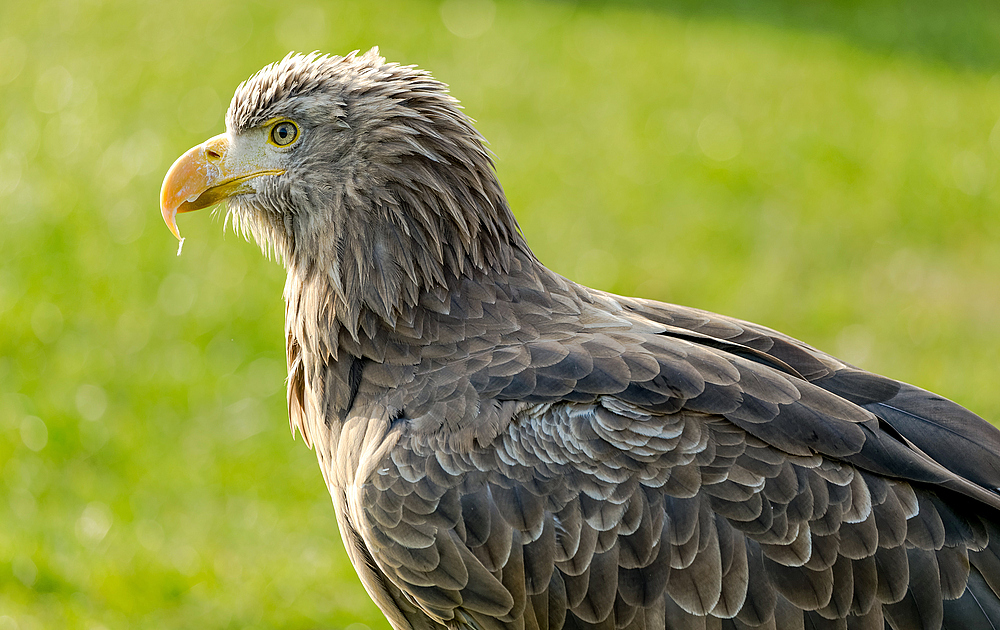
{"x":170,"y":218}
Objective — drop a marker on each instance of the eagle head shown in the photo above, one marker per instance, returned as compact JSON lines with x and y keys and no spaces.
{"x":362,"y":170}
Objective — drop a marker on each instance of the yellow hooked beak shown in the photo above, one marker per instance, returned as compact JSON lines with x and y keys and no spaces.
{"x":206,"y":175}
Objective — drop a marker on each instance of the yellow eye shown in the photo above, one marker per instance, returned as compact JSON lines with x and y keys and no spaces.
{"x":284,"y":133}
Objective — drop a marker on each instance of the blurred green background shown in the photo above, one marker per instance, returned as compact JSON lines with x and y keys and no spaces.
{"x":829,"y":169}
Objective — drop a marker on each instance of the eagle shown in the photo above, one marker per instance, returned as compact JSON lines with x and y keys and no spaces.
{"x":508,"y":449}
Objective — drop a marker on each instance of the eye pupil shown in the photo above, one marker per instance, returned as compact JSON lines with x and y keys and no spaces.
{"x":283,"y":134}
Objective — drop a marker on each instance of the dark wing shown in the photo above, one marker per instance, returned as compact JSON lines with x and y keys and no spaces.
{"x":950,"y":434}
{"x":604,"y":515}
{"x":647,"y":474}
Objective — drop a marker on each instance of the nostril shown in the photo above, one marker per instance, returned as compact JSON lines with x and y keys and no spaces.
{"x":213,"y":154}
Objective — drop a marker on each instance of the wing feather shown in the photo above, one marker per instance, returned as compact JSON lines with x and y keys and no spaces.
{"x":623,"y":479}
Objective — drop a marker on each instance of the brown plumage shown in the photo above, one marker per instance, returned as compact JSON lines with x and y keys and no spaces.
{"x":508,"y":449}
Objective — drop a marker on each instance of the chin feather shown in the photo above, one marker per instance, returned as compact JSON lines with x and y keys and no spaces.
{"x":257,"y":225}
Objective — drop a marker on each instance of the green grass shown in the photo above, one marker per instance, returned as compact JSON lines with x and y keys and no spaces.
{"x":829,"y":170}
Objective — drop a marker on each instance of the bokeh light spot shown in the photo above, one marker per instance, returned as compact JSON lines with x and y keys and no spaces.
{"x":24,"y":570}
{"x":969,"y":173}
{"x":91,"y":401}
{"x":149,"y":534}
{"x":13,"y":52}
{"x":34,"y":433}
{"x":94,"y":523}
{"x":468,"y":18}
{"x":177,"y":294}
{"x":47,"y":322}
{"x":303,"y":29}
{"x":53,"y":90}
{"x":199,"y":110}
{"x":719,"y":137}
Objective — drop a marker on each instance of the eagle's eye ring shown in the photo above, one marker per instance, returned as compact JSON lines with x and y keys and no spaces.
{"x":284,"y":133}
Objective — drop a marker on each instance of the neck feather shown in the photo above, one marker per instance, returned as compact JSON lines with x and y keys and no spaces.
{"x":422,"y":231}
